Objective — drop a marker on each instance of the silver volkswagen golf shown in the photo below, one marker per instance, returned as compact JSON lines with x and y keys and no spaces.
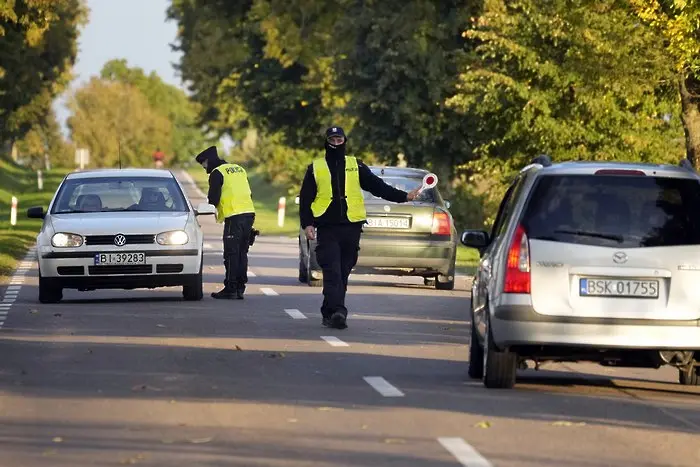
{"x":589,"y":261}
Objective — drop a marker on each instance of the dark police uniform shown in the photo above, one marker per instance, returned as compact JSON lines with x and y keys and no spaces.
{"x":331,"y":200}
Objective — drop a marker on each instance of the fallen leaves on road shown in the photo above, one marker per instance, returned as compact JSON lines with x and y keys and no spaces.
{"x":276,"y":355}
{"x":58,"y":439}
{"x":145,"y":387}
{"x":58,"y":315}
{"x":160,"y":325}
{"x":200,"y":440}
{"x":567,"y":423}
{"x":394,"y":441}
{"x":483,"y":424}
{"x":328,"y":409}
{"x":238,"y":348}
{"x":292,"y":420}
{"x":33,"y":311}
{"x":134,"y":460}
{"x":49,"y":452}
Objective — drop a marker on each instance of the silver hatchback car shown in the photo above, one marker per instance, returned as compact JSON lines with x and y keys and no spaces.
{"x":589,"y":261}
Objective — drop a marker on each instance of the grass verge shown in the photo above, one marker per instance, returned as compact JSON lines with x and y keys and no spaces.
{"x":21,"y":182}
{"x":467,"y":260}
{"x":265,"y":197}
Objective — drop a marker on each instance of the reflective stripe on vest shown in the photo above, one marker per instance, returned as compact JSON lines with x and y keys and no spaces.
{"x":235,"y":192}
{"x":324,"y":190}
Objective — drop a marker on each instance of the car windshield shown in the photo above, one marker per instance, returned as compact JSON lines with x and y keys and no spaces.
{"x":615,"y":210}
{"x":151,"y":194}
{"x":405,"y":184}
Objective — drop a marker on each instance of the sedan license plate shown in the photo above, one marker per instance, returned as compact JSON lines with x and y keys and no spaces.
{"x":110,"y":259}
{"x":627,"y":288}
{"x":388,"y":222}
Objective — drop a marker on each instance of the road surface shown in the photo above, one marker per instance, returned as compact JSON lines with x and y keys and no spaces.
{"x":142,"y":377}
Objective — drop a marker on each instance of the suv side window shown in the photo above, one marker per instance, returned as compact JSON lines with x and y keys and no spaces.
{"x":505,"y":210}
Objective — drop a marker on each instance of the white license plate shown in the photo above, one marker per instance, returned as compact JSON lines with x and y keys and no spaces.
{"x":388,"y":222}
{"x":592,"y":287}
{"x":110,"y":259}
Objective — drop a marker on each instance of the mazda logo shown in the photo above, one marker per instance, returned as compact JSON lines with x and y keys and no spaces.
{"x":620,"y":257}
{"x":119,"y":240}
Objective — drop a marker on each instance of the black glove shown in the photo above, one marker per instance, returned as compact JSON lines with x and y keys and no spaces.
{"x":254,"y":233}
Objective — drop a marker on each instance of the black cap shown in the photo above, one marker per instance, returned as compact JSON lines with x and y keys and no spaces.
{"x":209,"y":153}
{"x":335,"y":131}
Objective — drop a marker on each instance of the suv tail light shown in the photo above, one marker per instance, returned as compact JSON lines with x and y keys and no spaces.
{"x":441,"y":224}
{"x":517,"y":278}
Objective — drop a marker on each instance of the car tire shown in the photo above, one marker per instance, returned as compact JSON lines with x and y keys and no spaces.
{"x":448,"y":284}
{"x":500,"y":367}
{"x":476,"y":355}
{"x":194,"y":291}
{"x":689,"y":375}
{"x":49,"y":290}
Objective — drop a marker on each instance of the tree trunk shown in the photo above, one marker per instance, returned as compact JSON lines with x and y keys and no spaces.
{"x":690,"y":115}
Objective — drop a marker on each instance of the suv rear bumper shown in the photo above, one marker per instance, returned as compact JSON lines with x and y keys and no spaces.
{"x":521,"y":325}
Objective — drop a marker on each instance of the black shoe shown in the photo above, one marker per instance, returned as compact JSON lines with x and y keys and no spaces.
{"x":224,"y":294}
{"x":326,"y":322}
{"x":239,"y":295}
{"x":338,"y":320}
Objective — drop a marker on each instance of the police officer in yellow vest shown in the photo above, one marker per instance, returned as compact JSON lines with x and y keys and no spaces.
{"x":331,"y":205}
{"x":230,"y":192}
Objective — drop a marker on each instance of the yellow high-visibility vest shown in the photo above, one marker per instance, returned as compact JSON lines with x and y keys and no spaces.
{"x":236,"y":196}
{"x":353,"y":190}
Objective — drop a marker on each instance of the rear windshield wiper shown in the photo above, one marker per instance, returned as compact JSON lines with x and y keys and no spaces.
{"x":583,"y":233}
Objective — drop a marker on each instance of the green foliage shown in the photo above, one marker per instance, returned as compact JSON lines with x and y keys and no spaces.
{"x":168,"y":101}
{"x":109,"y":118}
{"x":38,"y":45}
{"x":578,"y":80}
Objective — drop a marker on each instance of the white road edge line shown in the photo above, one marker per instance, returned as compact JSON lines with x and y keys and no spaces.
{"x":268,"y":291}
{"x":296,"y":314}
{"x":334,"y":341}
{"x":251,"y":274}
{"x":383,"y":386}
{"x":191,"y":181}
{"x":464,"y":453}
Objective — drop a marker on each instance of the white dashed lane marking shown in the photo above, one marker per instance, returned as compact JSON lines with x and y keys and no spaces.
{"x":383,"y":387}
{"x":334,"y":341}
{"x":268,"y":291}
{"x":464,"y":453}
{"x":296,"y":314}
{"x":14,"y":287}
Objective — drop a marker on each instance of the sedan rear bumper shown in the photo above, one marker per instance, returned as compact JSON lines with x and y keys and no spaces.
{"x":389,"y":252}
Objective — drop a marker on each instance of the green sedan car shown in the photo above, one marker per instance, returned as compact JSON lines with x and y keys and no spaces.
{"x":416,"y":238}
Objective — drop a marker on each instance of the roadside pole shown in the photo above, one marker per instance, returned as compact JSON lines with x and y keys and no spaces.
{"x":13,"y":212}
{"x":281,"y":206}
{"x":39,"y":180}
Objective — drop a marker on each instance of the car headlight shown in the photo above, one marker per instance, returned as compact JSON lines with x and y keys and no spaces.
{"x":176,"y":237}
{"x":66,"y":240}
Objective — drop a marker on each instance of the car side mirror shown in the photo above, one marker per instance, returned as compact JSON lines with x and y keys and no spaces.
{"x":205,"y":209}
{"x":36,"y":212}
{"x":448,"y":205}
{"x":475,"y":239}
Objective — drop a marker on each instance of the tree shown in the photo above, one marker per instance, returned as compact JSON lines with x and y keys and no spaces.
{"x":37,"y":51}
{"x":678,"y":22}
{"x":168,"y":101}
{"x":112,"y":119}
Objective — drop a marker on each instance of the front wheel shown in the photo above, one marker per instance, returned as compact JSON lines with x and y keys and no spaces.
{"x":49,"y":290}
{"x":194,"y":290}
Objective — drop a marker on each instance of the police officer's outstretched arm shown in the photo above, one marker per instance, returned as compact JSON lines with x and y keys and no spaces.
{"x":378,"y":187}
{"x":307,"y":194}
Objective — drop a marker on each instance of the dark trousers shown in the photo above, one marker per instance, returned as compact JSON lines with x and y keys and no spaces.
{"x":237,"y":231}
{"x":337,"y":249}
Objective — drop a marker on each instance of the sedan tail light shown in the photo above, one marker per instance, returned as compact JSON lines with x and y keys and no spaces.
{"x":441,"y":224}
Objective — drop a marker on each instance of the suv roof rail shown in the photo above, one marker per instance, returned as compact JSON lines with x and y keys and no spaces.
{"x":543,"y":159}
{"x":687,"y":165}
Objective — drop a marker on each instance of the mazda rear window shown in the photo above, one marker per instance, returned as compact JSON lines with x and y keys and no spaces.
{"x":623,"y":211}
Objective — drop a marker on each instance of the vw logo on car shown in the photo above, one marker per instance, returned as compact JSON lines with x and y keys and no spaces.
{"x":119,"y":240}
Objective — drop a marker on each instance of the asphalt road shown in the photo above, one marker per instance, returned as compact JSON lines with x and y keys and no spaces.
{"x":142,"y":377}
